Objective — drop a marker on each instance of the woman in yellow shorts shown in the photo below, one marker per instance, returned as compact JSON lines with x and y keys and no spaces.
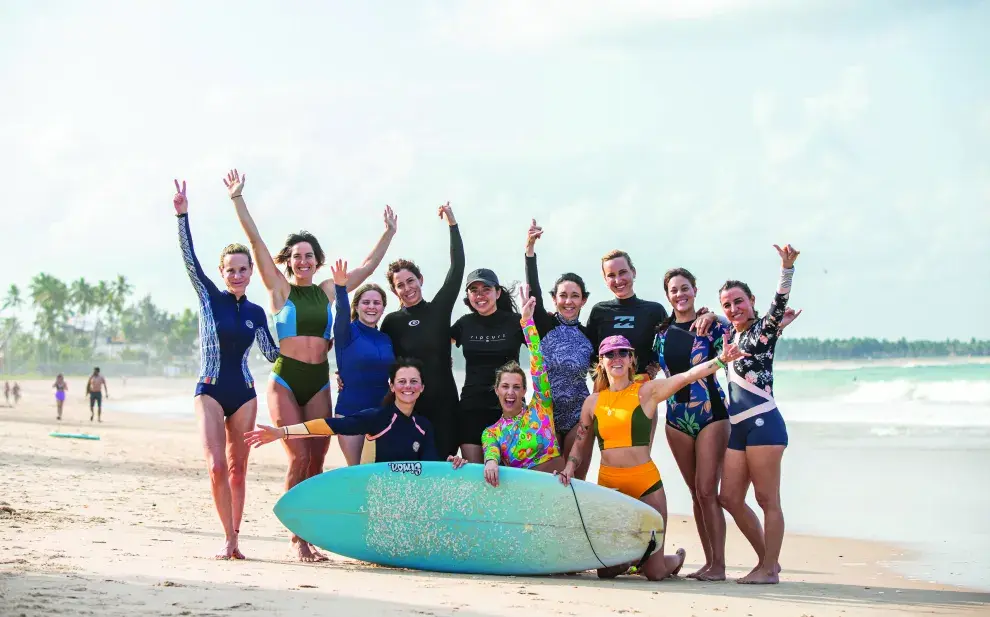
{"x":621,"y":412}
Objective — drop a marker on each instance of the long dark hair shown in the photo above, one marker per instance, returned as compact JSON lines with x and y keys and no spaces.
{"x":505,"y":302}
{"x":285,"y":254}
{"x":663,"y":325}
{"x":401,"y":363}
{"x":730,"y":284}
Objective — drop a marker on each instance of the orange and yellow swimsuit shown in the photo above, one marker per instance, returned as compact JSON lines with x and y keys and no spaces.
{"x":620,"y":422}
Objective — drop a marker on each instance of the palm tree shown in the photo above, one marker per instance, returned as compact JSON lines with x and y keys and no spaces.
{"x":50,"y":297}
{"x":13,"y":299}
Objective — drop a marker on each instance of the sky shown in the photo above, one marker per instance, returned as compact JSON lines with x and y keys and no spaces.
{"x":691,"y":135}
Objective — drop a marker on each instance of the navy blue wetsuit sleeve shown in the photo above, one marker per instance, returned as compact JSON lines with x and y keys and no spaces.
{"x":267,"y":344}
{"x":204,"y":287}
{"x":543,"y":320}
{"x":368,"y":422}
{"x":341,"y":320}
{"x":447,"y":295}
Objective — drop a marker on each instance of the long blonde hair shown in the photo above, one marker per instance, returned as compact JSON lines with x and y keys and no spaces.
{"x":601,"y":375}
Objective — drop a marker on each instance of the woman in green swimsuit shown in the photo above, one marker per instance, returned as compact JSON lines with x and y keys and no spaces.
{"x":298,"y":390}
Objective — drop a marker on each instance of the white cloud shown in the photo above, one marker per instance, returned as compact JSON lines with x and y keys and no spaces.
{"x":520,"y":24}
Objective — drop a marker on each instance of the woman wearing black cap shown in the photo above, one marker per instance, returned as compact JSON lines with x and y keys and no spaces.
{"x":490,"y":337}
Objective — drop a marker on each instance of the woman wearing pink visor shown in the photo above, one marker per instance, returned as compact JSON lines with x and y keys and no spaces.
{"x":621,"y":411}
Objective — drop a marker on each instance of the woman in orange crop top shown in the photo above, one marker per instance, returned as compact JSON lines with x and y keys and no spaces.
{"x":621,"y":412}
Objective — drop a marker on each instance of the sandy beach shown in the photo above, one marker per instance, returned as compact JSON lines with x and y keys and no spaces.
{"x":126,"y":526}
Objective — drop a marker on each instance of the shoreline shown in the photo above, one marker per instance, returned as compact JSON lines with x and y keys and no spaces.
{"x":130,"y":527}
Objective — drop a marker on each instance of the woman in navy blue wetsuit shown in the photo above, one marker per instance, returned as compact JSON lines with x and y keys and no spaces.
{"x":364,"y":354}
{"x":225,"y":400}
{"x":400,"y":434}
{"x":758,"y":435}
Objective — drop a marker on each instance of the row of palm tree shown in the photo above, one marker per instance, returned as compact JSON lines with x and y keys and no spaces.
{"x":70,"y":321}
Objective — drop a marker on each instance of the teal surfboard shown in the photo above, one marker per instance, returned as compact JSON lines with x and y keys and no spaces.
{"x":429,"y":516}
{"x":74,"y":435}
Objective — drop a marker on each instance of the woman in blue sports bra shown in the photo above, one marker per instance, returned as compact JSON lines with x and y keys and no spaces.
{"x":298,"y":390}
{"x":758,"y":435}
{"x":225,"y":399}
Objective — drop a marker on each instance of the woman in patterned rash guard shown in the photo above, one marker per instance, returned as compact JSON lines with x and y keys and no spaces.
{"x":522,"y":437}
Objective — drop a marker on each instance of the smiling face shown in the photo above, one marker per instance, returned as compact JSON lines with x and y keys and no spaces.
{"x":681,"y":294}
{"x":619,"y":277}
{"x":569,"y":300}
{"x":407,"y":287}
{"x":483,"y":297}
{"x":236,"y":271}
{"x":737,"y":305}
{"x":511,"y":391}
{"x":303,"y":261}
{"x":407,"y":385}
{"x":369,"y":307}
{"x":619,"y":363}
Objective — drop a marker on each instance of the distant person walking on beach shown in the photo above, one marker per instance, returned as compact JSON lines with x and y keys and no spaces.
{"x":16,"y":391}
{"x":6,"y":393}
{"x":60,"y":389}
{"x":225,"y":401}
{"x":96,"y":385}
{"x":758,"y":434}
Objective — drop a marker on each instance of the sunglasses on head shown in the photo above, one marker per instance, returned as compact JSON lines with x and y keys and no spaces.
{"x":617,"y":353}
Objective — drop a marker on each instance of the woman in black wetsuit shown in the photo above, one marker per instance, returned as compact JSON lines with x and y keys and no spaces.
{"x":632,"y":317}
{"x":566,"y":347}
{"x":490,"y":337}
{"x":421,"y":330}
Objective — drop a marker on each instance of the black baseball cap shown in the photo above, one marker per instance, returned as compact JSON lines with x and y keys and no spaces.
{"x":482,"y":275}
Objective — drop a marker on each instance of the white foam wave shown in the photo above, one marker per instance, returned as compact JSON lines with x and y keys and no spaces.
{"x":902,"y":390}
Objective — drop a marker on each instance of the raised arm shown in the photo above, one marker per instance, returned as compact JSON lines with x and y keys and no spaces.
{"x":342,"y":307}
{"x":544,"y":322}
{"x":653,"y":392}
{"x":542,"y":402}
{"x":273,"y":279}
{"x":359,"y":275}
{"x":447,"y":295}
{"x":772,"y":323}
{"x":201,"y":283}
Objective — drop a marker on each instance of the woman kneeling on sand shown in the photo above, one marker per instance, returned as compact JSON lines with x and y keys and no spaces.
{"x":523,"y":438}
{"x":621,"y":410}
{"x":399,"y":433}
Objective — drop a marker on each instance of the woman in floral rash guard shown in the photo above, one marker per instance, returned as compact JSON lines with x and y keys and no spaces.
{"x":758,"y":434}
{"x":523,"y":437}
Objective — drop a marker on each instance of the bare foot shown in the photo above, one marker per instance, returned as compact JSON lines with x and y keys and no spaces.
{"x":237,"y":554}
{"x":682,"y":554}
{"x":700,"y":572}
{"x":228,"y":550}
{"x":760,"y":577}
{"x":317,"y":554}
{"x":714,"y":573}
{"x":303,"y":551}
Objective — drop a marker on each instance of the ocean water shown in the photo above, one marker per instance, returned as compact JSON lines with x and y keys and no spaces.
{"x":897,"y":454}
